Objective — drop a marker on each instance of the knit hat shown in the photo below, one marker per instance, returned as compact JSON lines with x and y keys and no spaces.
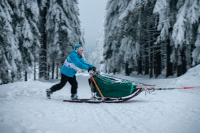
{"x":78,"y":47}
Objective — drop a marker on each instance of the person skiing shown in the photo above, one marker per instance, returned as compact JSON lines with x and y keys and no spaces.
{"x":68,"y":71}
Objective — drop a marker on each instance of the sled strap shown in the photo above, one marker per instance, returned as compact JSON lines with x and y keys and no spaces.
{"x":97,"y":87}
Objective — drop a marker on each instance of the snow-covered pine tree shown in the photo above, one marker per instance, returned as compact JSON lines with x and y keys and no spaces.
{"x":113,"y":35}
{"x":123,"y":35}
{"x":193,"y":34}
{"x":150,"y":53}
{"x":71,"y":31}
{"x":166,"y":11}
{"x":63,"y":30}
{"x":43,"y":7}
{"x":52,"y":28}
{"x":162,"y":7}
{"x":9,"y":53}
{"x":135,"y":29}
{"x":183,"y":37}
{"x":196,"y":52}
{"x":26,"y":17}
{"x":179,"y":29}
{"x":33,"y":10}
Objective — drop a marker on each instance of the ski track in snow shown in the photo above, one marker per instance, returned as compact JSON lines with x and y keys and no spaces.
{"x":25,"y":109}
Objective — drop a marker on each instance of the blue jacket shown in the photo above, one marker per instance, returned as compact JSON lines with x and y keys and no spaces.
{"x":72,"y":63}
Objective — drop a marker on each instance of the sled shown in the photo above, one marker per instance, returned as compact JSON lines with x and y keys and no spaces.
{"x":110,"y":90}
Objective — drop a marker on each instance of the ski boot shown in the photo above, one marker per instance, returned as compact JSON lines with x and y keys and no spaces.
{"x":48,"y":92}
{"x":74,"y":97}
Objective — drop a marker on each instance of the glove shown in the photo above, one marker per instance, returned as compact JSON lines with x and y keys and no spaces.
{"x":90,"y":69}
{"x":94,"y":69}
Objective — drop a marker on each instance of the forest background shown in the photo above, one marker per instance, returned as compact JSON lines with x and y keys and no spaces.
{"x":150,"y":37}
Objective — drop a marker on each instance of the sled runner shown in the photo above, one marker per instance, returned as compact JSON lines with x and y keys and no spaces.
{"x":108,"y":99}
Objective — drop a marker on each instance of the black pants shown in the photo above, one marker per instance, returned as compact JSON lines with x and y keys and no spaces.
{"x":64,"y":79}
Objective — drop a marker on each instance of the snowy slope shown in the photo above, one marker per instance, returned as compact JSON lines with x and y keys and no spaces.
{"x":25,"y":109}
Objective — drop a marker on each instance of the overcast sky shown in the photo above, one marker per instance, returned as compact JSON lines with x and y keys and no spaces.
{"x":91,"y":17}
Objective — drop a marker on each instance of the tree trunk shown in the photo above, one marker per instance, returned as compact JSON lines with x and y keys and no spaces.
{"x":139,"y":29}
{"x":57,"y":71}
{"x":53,"y":70}
{"x":181,"y":69}
{"x":127,"y":69}
{"x":192,"y":49}
{"x":154,"y":60}
{"x":151,"y":65}
{"x":19,"y":76}
{"x":34,"y":70}
{"x":188,"y":55}
{"x":169,"y":65}
{"x":48,"y":73}
{"x":12,"y":76}
{"x":158,"y":64}
{"x":146,"y":64}
{"x":178,"y":70}
{"x":149,"y":51}
{"x":26,"y":75}
{"x":139,"y":66}
{"x":6,"y":78}
{"x":184,"y":62}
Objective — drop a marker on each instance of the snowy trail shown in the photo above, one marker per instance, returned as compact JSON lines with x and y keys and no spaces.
{"x":25,"y":108}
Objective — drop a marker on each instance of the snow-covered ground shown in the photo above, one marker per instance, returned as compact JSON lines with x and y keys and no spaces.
{"x":24,"y":108}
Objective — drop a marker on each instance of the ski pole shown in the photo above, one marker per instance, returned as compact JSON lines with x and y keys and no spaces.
{"x":97,"y":87}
